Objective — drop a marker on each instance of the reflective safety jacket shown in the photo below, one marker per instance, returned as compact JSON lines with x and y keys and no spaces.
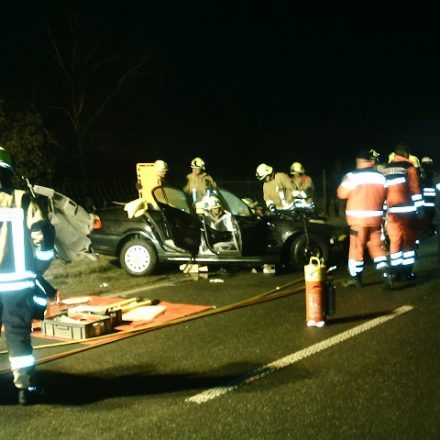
{"x":278,"y":191}
{"x":364,"y":190}
{"x":26,"y":241}
{"x":403,"y":186}
{"x":197,"y":185}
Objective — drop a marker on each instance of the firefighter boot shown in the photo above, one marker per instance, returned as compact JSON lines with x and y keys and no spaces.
{"x":407,"y":273}
{"x":30,"y":395}
{"x":387,"y":276}
{"x":351,"y":281}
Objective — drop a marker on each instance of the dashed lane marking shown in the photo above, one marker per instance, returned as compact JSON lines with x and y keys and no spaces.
{"x":286,"y":361}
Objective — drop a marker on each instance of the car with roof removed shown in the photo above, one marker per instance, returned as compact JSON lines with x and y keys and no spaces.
{"x":174,"y":231}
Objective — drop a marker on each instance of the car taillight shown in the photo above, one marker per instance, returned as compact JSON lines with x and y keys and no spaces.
{"x":96,"y":222}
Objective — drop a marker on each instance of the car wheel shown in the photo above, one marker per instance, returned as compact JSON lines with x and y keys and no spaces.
{"x":301,"y":251}
{"x":138,"y":257}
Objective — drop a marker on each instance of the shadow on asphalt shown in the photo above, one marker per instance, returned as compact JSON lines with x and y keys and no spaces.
{"x":72,"y":389}
{"x":362,"y":317}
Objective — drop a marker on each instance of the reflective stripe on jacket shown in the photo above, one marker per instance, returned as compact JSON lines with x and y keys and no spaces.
{"x":403,"y":186}
{"x":364,"y":190}
{"x":21,"y":241}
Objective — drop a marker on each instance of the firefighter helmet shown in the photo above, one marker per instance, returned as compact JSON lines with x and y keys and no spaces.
{"x":297,"y":168}
{"x":263,"y":170}
{"x":414,"y":160}
{"x":5,"y":159}
{"x":161,"y":166}
{"x":198,"y":162}
{"x":427,"y":160}
{"x":391,"y":157}
{"x":374,"y":155}
{"x":213,"y":202}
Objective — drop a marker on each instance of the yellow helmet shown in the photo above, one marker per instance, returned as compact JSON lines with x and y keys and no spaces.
{"x":263,"y":170}
{"x":415,"y":160}
{"x":5,"y":159}
{"x":297,"y":168}
{"x":161,"y":166}
{"x":374,"y":155}
{"x":198,"y":162}
{"x":391,"y":157}
{"x":427,"y":160}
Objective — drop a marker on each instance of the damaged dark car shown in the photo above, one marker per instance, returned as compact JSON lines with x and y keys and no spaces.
{"x":174,"y":231}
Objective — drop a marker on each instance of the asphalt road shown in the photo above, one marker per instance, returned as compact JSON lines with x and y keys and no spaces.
{"x":255,"y":372}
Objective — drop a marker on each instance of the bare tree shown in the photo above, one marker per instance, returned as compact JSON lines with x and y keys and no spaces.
{"x":93,"y":76}
{"x":23,"y":134}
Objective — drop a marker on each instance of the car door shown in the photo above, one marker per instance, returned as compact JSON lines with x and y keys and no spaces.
{"x":253,"y":231}
{"x":183,"y":227}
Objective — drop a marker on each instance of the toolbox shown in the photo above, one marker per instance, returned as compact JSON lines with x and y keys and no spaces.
{"x":78,"y":326}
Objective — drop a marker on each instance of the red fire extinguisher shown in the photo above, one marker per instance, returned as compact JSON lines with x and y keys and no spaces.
{"x":315,"y":278}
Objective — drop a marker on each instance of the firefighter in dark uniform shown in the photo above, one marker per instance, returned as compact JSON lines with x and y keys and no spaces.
{"x":428,"y":192}
{"x":403,"y":201}
{"x":26,"y":250}
{"x":436,"y":218}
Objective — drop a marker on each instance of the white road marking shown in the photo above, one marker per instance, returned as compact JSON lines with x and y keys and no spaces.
{"x":286,"y":361}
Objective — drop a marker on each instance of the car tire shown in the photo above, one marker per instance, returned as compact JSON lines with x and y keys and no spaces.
{"x":138,"y":257}
{"x":300,"y":253}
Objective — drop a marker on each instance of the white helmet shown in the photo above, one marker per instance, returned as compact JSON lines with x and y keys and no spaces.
{"x":161,"y":166}
{"x":198,"y":162}
{"x":297,"y":168}
{"x":427,"y":160}
{"x":263,"y":170}
{"x":213,"y":202}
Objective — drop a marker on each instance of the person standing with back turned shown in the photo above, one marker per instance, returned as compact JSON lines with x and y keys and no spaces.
{"x":26,"y":250}
{"x":364,"y":190}
{"x":403,"y":199}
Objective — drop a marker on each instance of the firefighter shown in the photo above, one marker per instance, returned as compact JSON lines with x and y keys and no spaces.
{"x":403,"y":200}
{"x":428,"y":191}
{"x":364,"y":192}
{"x":26,"y":250}
{"x":277,"y":188}
{"x":161,"y":169}
{"x":199,"y":182}
{"x":303,"y":187}
{"x":436,"y":218}
{"x":217,"y":218}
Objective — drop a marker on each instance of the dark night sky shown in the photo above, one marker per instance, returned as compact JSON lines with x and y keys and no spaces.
{"x":245,"y":82}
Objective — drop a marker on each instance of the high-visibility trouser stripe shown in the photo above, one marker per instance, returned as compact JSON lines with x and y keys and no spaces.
{"x":429,"y":192}
{"x":380,"y":262}
{"x":396,"y":258}
{"x":364,"y":214}
{"x":16,"y":285}
{"x":429,"y":204}
{"x":408,"y":258}
{"x":45,"y":255}
{"x":401,"y":209}
{"x":355,"y":267}
{"x":16,"y":276}
{"x":40,"y":300}
{"x":21,"y":361}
